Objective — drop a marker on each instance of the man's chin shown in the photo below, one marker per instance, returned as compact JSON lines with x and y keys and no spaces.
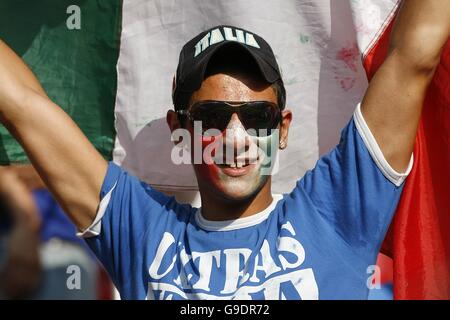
{"x":236,"y":190}
{"x":237,"y":197}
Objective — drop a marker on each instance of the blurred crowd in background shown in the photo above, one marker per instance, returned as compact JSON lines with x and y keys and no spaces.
{"x":40,"y":255}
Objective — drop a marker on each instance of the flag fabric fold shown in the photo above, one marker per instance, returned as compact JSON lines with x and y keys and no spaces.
{"x":72,"y":46}
{"x":419,"y":236}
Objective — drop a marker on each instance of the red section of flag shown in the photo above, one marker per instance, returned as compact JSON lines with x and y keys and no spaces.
{"x":104,"y":285}
{"x":385,"y":265}
{"x":419,"y":237}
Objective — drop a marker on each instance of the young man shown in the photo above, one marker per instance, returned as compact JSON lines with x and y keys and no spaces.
{"x":316,"y":242}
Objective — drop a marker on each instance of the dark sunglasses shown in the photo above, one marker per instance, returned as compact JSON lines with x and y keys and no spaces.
{"x":258,"y":117}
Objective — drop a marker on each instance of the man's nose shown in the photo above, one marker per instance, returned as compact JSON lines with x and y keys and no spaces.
{"x":236,"y":136}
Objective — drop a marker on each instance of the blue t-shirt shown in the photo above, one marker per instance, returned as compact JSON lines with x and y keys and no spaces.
{"x":317,"y":242}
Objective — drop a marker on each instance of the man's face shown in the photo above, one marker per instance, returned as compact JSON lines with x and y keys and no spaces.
{"x":242,"y":174}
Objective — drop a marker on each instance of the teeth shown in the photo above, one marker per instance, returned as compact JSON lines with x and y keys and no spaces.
{"x":239,"y":164}
{"x":247,"y":160}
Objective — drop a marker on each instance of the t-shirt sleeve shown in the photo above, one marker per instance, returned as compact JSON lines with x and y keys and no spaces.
{"x":354,"y":188}
{"x":129,"y":213}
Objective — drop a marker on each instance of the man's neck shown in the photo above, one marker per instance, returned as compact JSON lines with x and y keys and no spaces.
{"x":215,"y":208}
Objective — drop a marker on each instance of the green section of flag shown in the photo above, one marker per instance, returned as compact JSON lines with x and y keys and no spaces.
{"x":77,"y":68}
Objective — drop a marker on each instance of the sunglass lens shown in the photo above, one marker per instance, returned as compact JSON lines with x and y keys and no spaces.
{"x":260,"y":118}
{"x":212,"y":116}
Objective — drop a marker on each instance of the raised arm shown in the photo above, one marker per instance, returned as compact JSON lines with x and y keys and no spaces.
{"x":393,"y":102}
{"x":67,"y":162}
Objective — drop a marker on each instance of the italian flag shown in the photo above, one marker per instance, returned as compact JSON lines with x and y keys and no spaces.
{"x":419,"y":237}
{"x":109,"y":64}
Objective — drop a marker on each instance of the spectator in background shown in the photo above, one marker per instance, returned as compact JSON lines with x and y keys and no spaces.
{"x":40,"y":255}
{"x":20,"y":267}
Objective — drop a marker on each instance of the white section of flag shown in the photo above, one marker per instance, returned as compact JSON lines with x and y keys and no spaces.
{"x":318,"y":44}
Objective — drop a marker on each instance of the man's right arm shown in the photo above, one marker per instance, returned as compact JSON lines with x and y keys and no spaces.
{"x":67,"y":162}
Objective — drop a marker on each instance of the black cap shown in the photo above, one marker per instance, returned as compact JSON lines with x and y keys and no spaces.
{"x":195,"y":55}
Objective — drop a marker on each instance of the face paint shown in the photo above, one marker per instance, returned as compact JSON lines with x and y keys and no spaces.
{"x":236,"y":175}
{"x":268,"y":150}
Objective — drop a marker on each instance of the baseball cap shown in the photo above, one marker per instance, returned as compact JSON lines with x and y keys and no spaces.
{"x":196,"y":54}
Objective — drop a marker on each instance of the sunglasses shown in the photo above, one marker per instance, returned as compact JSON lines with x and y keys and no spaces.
{"x":258,"y":117}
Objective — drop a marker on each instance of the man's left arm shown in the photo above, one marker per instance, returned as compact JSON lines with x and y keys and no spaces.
{"x":393,"y":102}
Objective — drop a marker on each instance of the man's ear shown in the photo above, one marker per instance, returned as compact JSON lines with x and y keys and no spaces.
{"x":286,"y":118}
{"x":172,"y":121}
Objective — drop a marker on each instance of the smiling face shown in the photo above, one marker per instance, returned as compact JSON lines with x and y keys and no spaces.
{"x":243,"y":179}
{"x":242,"y":174}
